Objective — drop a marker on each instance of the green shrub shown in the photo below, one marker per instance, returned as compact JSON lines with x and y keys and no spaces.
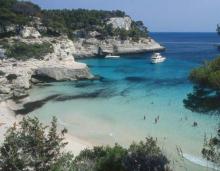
{"x":207,"y":75}
{"x":211,"y":148}
{"x":142,"y":156}
{"x":145,"y":156}
{"x":11,"y":77}
{"x":13,"y":12}
{"x":206,"y":99}
{"x":64,"y":163}
{"x":2,"y":73}
{"x":23,"y":51}
{"x":26,"y":8}
{"x":102,"y":158}
{"x":32,"y":146}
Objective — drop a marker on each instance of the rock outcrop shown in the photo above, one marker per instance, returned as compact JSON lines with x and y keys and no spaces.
{"x":16,"y":77}
{"x":66,"y":70}
{"x":120,"y":22}
{"x":29,"y":32}
{"x":92,"y":47}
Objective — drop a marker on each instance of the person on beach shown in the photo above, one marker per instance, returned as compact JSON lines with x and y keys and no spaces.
{"x":195,"y":124}
{"x":144,"y":117}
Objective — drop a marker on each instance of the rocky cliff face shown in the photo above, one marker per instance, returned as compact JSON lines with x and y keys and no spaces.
{"x":92,"y":46}
{"x":16,"y":77}
{"x":29,"y":32}
{"x":120,"y":22}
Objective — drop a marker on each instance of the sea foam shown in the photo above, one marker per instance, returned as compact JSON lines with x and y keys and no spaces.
{"x":200,"y":161}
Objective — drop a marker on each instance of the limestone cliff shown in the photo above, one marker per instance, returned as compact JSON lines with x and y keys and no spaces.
{"x":120,"y":22}
{"x":93,"y":47}
{"x":16,"y":77}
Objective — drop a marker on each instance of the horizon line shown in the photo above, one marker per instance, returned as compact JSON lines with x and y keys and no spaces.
{"x":182,"y":32}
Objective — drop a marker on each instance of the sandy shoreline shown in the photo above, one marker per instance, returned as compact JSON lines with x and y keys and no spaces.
{"x":8,"y":118}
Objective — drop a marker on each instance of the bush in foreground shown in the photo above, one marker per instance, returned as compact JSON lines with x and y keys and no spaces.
{"x":211,"y":149}
{"x":143,"y":156}
{"x":33,"y":146}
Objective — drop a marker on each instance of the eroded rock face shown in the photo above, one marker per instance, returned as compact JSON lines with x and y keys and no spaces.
{"x":93,"y":47}
{"x":4,"y":90}
{"x":24,"y":72}
{"x":29,"y":32}
{"x":63,"y":49}
{"x":22,"y":81}
{"x":10,"y":28}
{"x":120,"y":22}
{"x":63,"y":73}
{"x":18,"y":76}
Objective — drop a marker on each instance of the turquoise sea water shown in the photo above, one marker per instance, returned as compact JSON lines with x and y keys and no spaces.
{"x":113,"y":109}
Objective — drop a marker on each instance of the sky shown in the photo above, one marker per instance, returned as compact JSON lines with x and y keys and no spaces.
{"x":158,"y":15}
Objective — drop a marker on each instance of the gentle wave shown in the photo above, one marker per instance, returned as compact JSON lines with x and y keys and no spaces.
{"x":201,"y":161}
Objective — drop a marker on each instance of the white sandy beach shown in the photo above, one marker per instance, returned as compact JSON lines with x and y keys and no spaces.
{"x":7,"y":119}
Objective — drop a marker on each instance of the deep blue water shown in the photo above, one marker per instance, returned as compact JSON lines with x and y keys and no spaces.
{"x":112,"y":110}
{"x":184,"y":51}
{"x":194,"y":47}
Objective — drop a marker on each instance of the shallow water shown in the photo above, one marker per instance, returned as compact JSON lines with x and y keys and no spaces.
{"x":113,"y":109}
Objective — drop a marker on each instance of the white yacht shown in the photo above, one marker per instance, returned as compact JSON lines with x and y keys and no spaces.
{"x":157,"y":58}
{"x":112,"y":56}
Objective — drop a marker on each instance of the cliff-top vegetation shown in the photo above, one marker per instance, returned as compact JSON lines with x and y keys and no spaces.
{"x":17,"y":14}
